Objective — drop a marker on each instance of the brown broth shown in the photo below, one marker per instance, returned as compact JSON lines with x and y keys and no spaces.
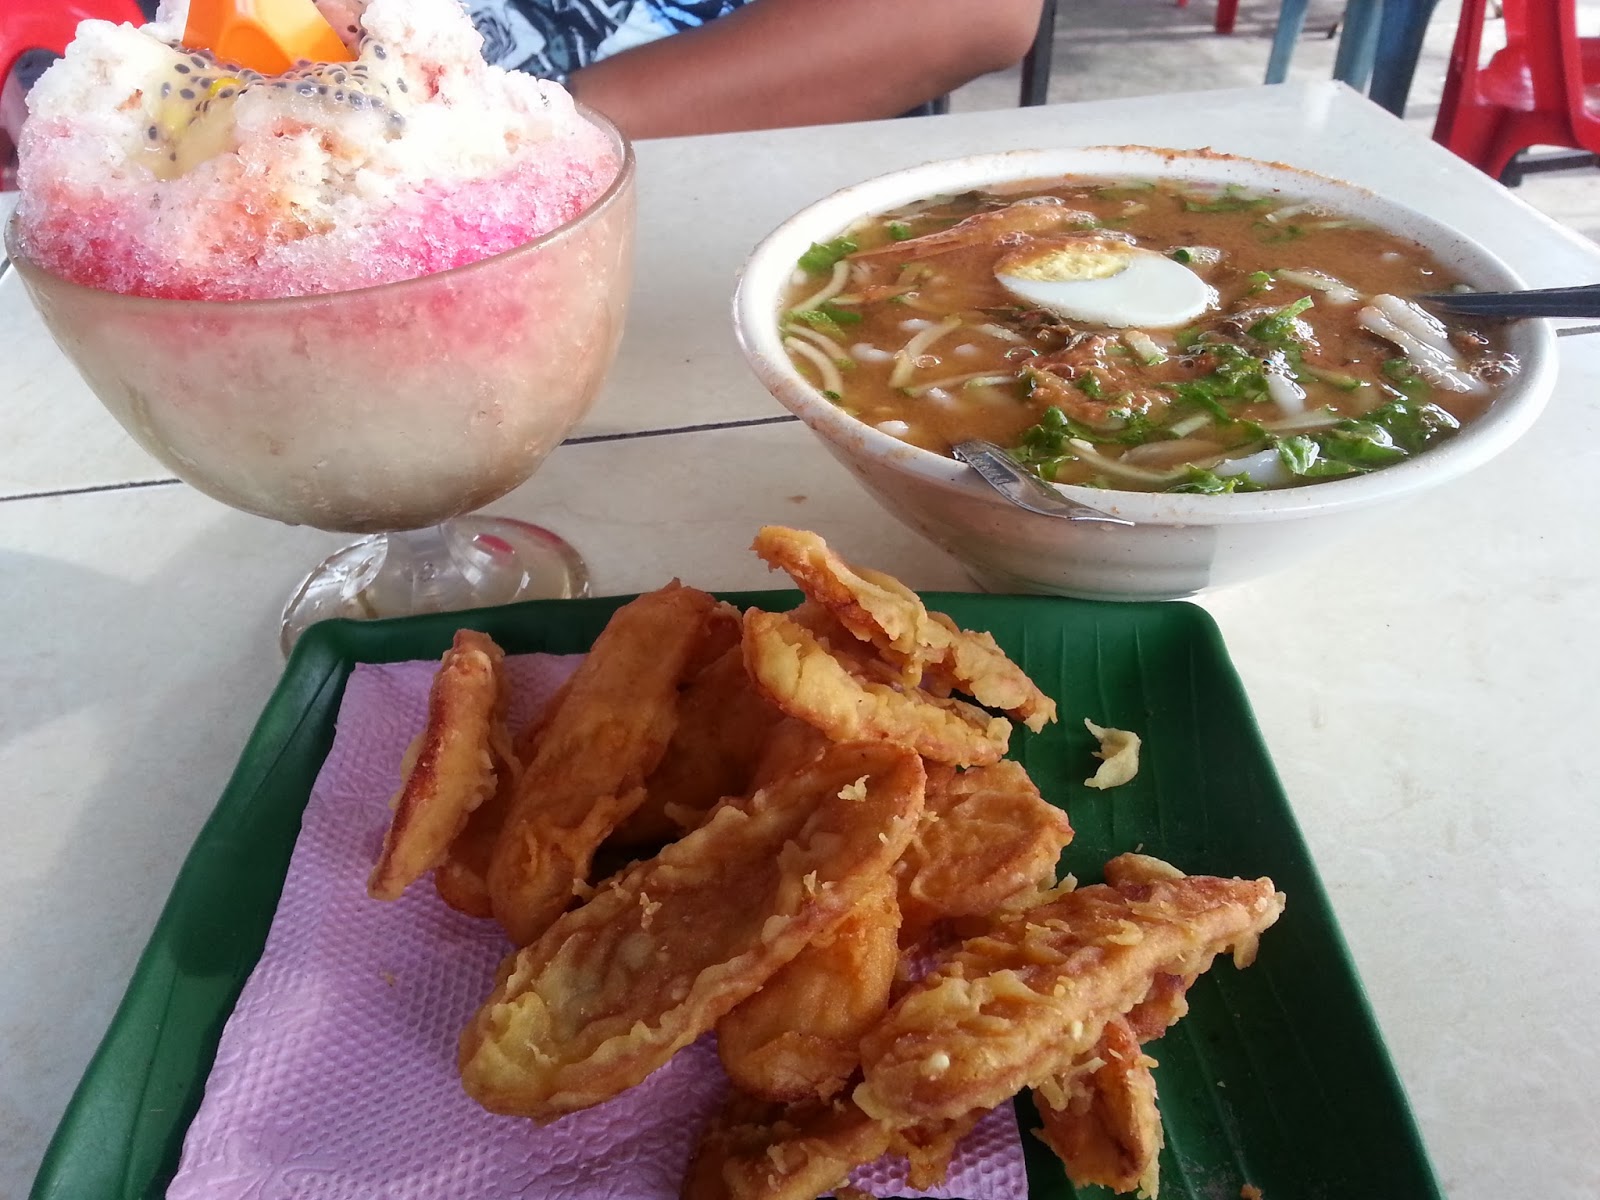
{"x":1008,"y":365}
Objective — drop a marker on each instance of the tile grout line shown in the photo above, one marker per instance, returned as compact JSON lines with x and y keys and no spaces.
{"x":592,"y":439}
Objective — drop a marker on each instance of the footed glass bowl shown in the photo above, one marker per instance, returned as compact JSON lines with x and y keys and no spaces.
{"x":391,"y":411}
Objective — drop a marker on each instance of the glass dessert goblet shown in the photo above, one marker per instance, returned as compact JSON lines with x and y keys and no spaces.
{"x":391,"y":411}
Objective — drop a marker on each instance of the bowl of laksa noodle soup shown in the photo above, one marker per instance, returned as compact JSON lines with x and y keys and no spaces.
{"x":1224,"y":353}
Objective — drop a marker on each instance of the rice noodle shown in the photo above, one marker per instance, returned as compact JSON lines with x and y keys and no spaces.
{"x":1142,"y":344}
{"x":905,"y":358}
{"x":1169,"y":454}
{"x":832,"y":381}
{"x":1189,"y":424}
{"x":867,"y":352}
{"x":1264,"y":468}
{"x":1422,"y":340}
{"x":837,"y":352}
{"x":1111,"y":466}
{"x":1305,"y":422}
{"x":949,"y":381}
{"x":1001,"y":332}
{"x":1289,"y":210}
{"x":1335,"y":290}
{"x":1286,"y":393}
{"x":835,"y":285}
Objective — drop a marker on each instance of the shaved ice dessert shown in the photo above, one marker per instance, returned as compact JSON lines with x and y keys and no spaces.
{"x":153,"y":169}
{"x":367,"y":293}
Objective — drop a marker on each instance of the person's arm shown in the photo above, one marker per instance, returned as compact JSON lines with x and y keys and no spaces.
{"x":806,"y":62}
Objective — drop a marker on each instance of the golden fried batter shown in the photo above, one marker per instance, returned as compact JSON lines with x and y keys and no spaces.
{"x":799,"y":1037}
{"x":1101,"y":1119}
{"x":879,"y":609}
{"x":591,"y":757}
{"x":797,"y":674}
{"x":757,"y":1151}
{"x":723,"y":722}
{"x":1015,"y":1007}
{"x":987,"y":837}
{"x":452,"y":768}
{"x":666,"y":948}
{"x":882,"y":611}
{"x":790,"y":745}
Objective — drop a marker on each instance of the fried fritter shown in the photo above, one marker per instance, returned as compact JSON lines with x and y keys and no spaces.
{"x":1017,"y":1006}
{"x":987,"y":837}
{"x":723,"y":722}
{"x":799,"y":1037}
{"x":666,"y":948}
{"x":874,"y":611}
{"x":796,"y":673}
{"x":790,"y":745}
{"x":758,"y":1151}
{"x":879,"y":609}
{"x":591,"y":758}
{"x":452,"y":763}
{"x":754,"y":1150}
{"x":462,"y":879}
{"x":1101,"y":1119}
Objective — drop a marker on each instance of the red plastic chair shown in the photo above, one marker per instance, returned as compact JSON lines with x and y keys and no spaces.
{"x":32,"y":32}
{"x":1543,"y":89}
{"x":1227,"y":14}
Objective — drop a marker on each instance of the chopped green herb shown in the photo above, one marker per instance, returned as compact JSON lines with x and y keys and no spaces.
{"x":1125,"y":191}
{"x":1413,"y":426}
{"x":1260,"y":281}
{"x":1278,"y":329}
{"x":1405,"y":378}
{"x":1186,"y":339}
{"x":899,"y":230}
{"x":1345,"y":383}
{"x":1233,"y":199}
{"x":1183,"y":254}
{"x":1271,"y":235}
{"x":827,"y":318}
{"x":1363,"y":444}
{"x":1201,"y":482}
{"x":820,"y":258}
{"x":1298,"y":453}
{"x":831,"y":395}
{"x":1089,"y":384}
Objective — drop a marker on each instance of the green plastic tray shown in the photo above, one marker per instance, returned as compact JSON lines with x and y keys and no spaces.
{"x":1276,"y":1078}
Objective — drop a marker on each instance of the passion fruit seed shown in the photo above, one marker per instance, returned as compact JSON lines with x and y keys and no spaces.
{"x":188,"y":96}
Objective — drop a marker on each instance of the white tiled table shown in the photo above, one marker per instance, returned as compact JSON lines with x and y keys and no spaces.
{"x":1429,"y":694}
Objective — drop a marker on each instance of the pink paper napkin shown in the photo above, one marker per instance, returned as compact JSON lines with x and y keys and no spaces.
{"x":335,"y":1078}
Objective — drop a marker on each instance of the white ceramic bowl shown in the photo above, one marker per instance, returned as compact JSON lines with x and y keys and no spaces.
{"x":1178,"y":544}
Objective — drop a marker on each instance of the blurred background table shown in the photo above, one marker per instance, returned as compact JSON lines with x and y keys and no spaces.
{"x":1427,"y":693}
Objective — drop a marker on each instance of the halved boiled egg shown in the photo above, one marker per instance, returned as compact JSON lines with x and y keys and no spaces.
{"x":1103,"y":281}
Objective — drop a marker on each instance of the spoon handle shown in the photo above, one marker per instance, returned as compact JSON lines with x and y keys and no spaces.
{"x":1001,"y":472}
{"x":1581,"y":301}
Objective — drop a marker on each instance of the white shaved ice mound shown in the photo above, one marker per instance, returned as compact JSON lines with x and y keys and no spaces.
{"x":151,"y":170}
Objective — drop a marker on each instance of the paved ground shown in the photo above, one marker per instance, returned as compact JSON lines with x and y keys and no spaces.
{"x":1109,"y":48}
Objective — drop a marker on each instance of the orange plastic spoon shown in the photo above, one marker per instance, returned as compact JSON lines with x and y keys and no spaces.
{"x":268,"y":36}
